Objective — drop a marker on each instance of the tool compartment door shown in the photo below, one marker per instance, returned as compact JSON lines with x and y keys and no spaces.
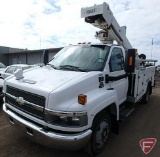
{"x":140,"y":85}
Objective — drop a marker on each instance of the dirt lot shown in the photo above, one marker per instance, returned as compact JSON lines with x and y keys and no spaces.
{"x":143,"y":123}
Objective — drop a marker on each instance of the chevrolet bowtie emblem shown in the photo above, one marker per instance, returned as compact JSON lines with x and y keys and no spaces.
{"x":20,"y":100}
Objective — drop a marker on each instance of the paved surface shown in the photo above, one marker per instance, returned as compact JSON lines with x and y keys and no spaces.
{"x":143,"y":123}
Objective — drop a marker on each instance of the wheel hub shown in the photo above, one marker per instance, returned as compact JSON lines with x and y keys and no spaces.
{"x":102,"y":133}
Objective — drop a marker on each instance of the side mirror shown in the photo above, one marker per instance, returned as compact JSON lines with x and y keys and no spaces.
{"x":130,"y":60}
{"x":107,"y":78}
{"x":18,"y":74}
{"x":45,"y":56}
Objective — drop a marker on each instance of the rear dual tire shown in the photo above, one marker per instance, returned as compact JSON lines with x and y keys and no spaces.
{"x":145,"y":97}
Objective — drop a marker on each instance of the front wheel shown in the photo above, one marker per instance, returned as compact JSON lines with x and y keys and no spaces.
{"x":101,"y":129}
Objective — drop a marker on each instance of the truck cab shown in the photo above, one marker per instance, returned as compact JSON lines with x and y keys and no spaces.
{"x":107,"y":60}
{"x":68,"y":93}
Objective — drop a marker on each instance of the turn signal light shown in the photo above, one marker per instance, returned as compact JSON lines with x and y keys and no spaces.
{"x":82,"y":99}
{"x":130,"y":60}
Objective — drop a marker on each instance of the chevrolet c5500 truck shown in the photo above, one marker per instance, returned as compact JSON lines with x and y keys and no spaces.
{"x":77,"y":99}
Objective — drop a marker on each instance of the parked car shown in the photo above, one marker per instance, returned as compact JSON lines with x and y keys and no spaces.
{"x":2,"y":65}
{"x":1,"y":89}
{"x":39,"y":64}
{"x":2,"y":68}
{"x":11,"y":69}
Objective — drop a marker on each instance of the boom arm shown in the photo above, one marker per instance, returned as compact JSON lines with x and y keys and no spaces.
{"x":102,"y":17}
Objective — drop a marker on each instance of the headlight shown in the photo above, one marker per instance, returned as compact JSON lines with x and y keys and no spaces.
{"x":66,"y":119}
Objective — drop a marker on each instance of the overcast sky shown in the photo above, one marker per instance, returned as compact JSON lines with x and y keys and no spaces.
{"x":38,"y":24}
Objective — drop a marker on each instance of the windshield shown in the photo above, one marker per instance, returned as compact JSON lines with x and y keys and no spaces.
{"x":81,"y":58}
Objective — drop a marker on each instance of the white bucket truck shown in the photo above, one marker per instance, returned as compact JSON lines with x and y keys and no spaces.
{"x":77,"y":99}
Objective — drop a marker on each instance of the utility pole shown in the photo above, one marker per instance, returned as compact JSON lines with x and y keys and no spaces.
{"x":151,"y":48}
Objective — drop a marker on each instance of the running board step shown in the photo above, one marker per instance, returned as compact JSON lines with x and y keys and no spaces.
{"x":125,"y":112}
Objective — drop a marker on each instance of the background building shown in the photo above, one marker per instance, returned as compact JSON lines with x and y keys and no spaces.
{"x":9,"y":56}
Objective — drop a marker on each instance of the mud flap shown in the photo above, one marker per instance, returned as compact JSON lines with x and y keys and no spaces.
{"x":114,"y":124}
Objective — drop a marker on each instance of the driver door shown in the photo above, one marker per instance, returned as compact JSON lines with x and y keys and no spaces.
{"x":117,"y":75}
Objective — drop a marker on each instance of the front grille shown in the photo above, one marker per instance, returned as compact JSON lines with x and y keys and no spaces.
{"x":32,"y":98}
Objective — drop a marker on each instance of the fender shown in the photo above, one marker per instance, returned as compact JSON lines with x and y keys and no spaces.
{"x":101,"y":103}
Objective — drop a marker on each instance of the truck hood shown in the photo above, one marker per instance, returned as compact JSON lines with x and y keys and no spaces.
{"x":60,"y":88}
{"x":50,"y":78}
{"x":44,"y":79}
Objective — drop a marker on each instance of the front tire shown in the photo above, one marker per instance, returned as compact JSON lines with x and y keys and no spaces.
{"x":101,"y":129}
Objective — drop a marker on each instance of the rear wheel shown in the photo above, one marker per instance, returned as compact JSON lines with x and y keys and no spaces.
{"x":101,"y":130}
{"x":145,"y":97}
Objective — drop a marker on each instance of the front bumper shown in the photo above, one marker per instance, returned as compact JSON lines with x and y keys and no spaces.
{"x":63,"y":141}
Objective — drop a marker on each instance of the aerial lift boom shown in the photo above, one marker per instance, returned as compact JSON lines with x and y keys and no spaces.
{"x":102,"y":17}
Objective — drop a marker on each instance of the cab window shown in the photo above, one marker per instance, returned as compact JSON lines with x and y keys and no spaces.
{"x":116,"y":60}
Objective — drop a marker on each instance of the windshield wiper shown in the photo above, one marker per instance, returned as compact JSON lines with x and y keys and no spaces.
{"x":71,"y":67}
{"x":53,"y":66}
